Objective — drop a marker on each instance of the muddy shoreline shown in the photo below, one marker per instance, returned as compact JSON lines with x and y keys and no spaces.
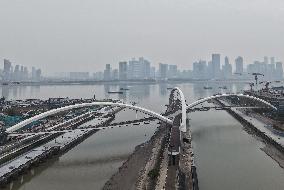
{"x":129,"y":174}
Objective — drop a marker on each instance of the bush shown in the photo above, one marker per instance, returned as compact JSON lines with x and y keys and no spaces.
{"x":153,"y":174}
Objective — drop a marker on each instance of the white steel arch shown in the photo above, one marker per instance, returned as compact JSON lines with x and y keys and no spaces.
{"x":66,"y":108}
{"x":183,"y":108}
{"x":228,"y":95}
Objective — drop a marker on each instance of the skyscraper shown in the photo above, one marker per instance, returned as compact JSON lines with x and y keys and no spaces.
{"x":7,"y":70}
{"x":26,"y":73}
{"x":216,"y":65}
{"x":38,"y":74}
{"x":200,"y":70}
{"x":122,"y":70}
{"x":163,"y":70}
{"x":152,"y":72}
{"x":107,"y":72}
{"x":210,"y":70}
{"x":172,"y":71}
{"x":33,"y":73}
{"x":22,"y":73}
{"x":139,"y":69}
{"x":16,"y":74}
{"x":115,"y":74}
{"x":272,"y":60}
{"x":147,"y":67}
{"x":227,"y":69}
{"x":239,"y":61}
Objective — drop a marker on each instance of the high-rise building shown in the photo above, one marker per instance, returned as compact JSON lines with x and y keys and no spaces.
{"x":272,"y":60}
{"x":269,"y":71}
{"x":16,"y":74}
{"x":115,"y":75}
{"x":98,"y":76}
{"x":22,"y":73}
{"x":163,"y":70}
{"x":7,"y":70}
{"x":239,"y":61}
{"x":139,"y":69}
{"x":152,"y":72}
{"x":26,"y":73}
{"x":123,"y":70}
{"x":135,"y":69}
{"x":172,"y":71}
{"x":33,"y":73}
{"x":107,"y":73}
{"x":227,"y":69}
{"x":200,"y":70}
{"x":210,"y":70}
{"x":38,"y":74}
{"x":216,"y":62}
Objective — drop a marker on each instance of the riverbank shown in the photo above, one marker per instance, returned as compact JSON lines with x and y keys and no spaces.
{"x":131,"y":174}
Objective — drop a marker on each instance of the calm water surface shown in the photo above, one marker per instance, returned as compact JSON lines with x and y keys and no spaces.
{"x":226,"y":156}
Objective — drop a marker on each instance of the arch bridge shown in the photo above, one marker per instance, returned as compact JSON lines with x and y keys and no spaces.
{"x":184,"y":109}
{"x":200,"y":101}
{"x":82,"y":105}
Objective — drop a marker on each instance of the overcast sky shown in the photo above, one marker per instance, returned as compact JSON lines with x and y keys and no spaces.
{"x":84,"y":35}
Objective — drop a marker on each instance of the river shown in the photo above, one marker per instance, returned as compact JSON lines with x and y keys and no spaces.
{"x":227,"y":157}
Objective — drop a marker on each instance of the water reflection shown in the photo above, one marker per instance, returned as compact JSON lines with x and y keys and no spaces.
{"x":122,"y":88}
{"x":106,"y":90}
{"x":139,"y":92}
{"x":163,"y":89}
{"x":14,"y":92}
{"x":5,"y":92}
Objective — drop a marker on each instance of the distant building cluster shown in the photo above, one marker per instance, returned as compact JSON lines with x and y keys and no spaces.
{"x":214,"y":69}
{"x":271,"y":70}
{"x":217,"y":68}
{"x":137,"y":69}
{"x":19,"y":73}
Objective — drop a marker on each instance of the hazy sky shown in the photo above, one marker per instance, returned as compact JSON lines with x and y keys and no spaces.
{"x":84,"y":35}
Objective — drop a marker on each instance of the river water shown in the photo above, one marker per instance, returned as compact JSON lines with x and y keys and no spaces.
{"x":227,"y":157}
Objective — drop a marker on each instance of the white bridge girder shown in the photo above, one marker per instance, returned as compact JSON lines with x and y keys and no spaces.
{"x":66,"y":108}
{"x":183,"y":108}
{"x":230,"y":95}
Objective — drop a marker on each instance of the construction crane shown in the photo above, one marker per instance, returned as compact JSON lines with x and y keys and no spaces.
{"x":256,"y":77}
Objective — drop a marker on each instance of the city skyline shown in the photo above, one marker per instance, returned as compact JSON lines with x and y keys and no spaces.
{"x":88,"y":35}
{"x":218,"y":67}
